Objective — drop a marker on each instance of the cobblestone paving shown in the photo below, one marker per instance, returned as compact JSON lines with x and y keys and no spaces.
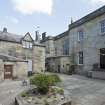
{"x":8,"y":91}
{"x":84,"y":91}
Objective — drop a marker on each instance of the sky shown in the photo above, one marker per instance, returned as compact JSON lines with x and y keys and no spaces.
{"x":51,"y":16}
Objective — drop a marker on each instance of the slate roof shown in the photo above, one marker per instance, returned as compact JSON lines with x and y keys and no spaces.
{"x":6,"y":57}
{"x":88,"y":17}
{"x":61,"y":35}
{"x":5,"y":36}
{"x":56,"y":37}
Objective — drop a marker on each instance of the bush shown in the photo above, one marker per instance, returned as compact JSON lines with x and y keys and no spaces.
{"x":43,"y":81}
{"x":56,"y":78}
{"x":24,"y":94}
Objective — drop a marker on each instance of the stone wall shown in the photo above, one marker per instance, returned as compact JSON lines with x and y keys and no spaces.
{"x":19,"y":69}
{"x":62,"y":61}
{"x":91,"y":44}
{"x":36,"y":54}
{"x":38,"y":59}
{"x":50,"y":48}
{"x":59,"y":45}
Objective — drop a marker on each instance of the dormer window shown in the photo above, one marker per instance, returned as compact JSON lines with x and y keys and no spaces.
{"x":27,"y":44}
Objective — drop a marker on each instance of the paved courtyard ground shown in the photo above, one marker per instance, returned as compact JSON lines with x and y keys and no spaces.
{"x":8,"y":90}
{"x":84,"y":91}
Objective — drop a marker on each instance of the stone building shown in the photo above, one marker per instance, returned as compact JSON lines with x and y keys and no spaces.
{"x":57,"y":52}
{"x":20,"y":55}
{"x":83,"y":43}
{"x":87,"y":42}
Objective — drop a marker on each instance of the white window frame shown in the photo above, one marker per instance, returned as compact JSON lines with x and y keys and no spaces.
{"x":30,"y":45}
{"x":80,"y":34}
{"x":79,"y":58}
{"x":27,"y":44}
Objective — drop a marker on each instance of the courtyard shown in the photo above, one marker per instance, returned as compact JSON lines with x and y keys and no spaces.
{"x":8,"y":91}
{"x":82,"y":90}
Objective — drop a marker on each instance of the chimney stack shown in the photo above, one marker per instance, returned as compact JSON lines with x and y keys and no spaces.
{"x":5,"y":30}
{"x":43,"y":35}
{"x":36,"y":33}
{"x":71,"y":20}
{"x":37,"y":36}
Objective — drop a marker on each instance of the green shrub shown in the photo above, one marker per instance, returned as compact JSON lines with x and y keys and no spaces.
{"x":24,"y":94}
{"x":43,"y":81}
{"x":58,"y":90}
{"x":56,"y":78}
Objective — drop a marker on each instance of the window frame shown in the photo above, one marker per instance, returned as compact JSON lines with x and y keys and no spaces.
{"x":66,"y":47}
{"x":102,"y":26}
{"x":79,"y":37}
{"x":27,"y":44}
{"x":80,"y":58}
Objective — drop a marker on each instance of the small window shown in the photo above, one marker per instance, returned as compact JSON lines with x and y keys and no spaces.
{"x":80,"y":35}
{"x":27,"y":44}
{"x":102,"y":26}
{"x":80,"y":58}
{"x":30,"y":45}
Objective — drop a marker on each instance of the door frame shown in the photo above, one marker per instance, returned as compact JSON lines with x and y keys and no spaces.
{"x":102,"y":59}
{"x":11,"y":71}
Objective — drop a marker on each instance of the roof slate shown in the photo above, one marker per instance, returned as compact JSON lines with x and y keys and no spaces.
{"x":5,"y":36}
{"x":88,"y":17}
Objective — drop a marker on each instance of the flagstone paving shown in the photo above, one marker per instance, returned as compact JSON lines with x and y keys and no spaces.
{"x":84,"y":91}
{"x":8,"y":91}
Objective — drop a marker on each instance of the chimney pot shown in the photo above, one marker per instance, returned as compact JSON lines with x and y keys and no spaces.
{"x":5,"y":29}
{"x":43,"y":35}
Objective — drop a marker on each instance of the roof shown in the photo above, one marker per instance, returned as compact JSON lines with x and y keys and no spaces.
{"x":55,"y":37}
{"x":47,"y":38}
{"x":61,"y":35}
{"x":6,"y":57}
{"x":88,"y":17}
{"x":5,"y":36}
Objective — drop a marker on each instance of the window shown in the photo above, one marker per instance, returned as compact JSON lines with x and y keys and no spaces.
{"x":66,"y":47}
{"x":27,"y":44}
{"x":80,"y":58}
{"x":102,"y":26}
{"x":80,"y":35}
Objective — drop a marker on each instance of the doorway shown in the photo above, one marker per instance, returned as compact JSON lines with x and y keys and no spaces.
{"x":58,"y":68}
{"x":8,"y":71}
{"x":102,"y":58}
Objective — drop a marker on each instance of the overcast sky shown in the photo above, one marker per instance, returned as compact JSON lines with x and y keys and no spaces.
{"x":52,"y":16}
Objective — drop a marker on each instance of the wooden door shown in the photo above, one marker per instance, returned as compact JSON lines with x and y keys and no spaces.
{"x":8,"y":70}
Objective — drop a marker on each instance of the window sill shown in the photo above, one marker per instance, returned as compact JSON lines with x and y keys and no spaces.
{"x":80,"y":64}
{"x":102,"y":34}
{"x":80,"y":41}
{"x":28,"y":48}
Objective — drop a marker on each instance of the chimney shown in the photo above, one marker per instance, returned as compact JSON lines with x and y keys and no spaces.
{"x":71,"y":20}
{"x":36,"y":33}
{"x":37,"y":36}
{"x":43,"y":35}
{"x":5,"y":30}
